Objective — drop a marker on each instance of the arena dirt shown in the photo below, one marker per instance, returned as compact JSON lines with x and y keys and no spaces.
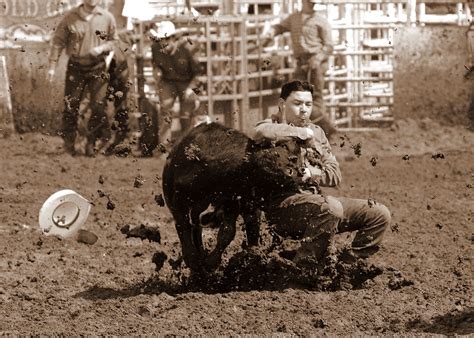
{"x":131,"y":280}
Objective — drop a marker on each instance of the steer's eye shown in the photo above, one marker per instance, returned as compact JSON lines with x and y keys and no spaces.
{"x":289,"y":171}
{"x":293,"y":158}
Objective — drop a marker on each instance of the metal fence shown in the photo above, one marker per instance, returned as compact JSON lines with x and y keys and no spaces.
{"x":242,"y":78}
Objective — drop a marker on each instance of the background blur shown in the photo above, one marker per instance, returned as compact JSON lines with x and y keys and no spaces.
{"x":393,"y":59}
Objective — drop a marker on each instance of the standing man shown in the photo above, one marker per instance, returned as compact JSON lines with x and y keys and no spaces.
{"x":175,"y":68}
{"x":308,"y":215}
{"x":88,"y":34}
{"x":312,"y":44}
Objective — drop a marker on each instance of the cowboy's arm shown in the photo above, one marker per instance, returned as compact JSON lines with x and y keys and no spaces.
{"x":326,"y":37}
{"x":279,"y":131}
{"x":328,"y":168}
{"x":111,"y":40}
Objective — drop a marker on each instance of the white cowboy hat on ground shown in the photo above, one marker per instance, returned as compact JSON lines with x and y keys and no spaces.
{"x":63,"y":213}
{"x":164,"y":29}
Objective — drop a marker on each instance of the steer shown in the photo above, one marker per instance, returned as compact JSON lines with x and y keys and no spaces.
{"x":223,"y":167}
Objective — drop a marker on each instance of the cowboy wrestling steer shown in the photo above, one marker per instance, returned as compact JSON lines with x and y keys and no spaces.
{"x":219,"y":166}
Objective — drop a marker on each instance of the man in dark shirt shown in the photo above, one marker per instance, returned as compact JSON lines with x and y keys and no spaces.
{"x":87,"y":33}
{"x":175,"y":70}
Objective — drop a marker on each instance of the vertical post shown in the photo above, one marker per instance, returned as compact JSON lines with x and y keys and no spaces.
{"x":331,"y":10}
{"x":459,"y":12}
{"x":140,"y":66}
{"x":259,"y":52}
{"x":349,"y":18}
{"x":358,"y":37}
{"x":411,"y":12}
{"x":467,"y":10}
{"x":422,"y":13}
{"x":210,"y":103}
{"x":228,"y":7}
{"x":400,"y":12}
{"x":470,"y":46}
{"x":235,"y":88}
{"x":246,"y":122}
{"x":6,"y":115}
{"x":391,"y":10}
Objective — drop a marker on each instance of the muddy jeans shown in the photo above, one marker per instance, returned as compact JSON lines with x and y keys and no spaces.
{"x":79,"y":79}
{"x":119,"y":84}
{"x":315,"y":219}
{"x":168,"y":91}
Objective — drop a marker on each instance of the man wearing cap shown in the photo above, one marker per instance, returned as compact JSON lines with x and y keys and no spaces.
{"x":312,"y":44}
{"x":309,"y":215}
{"x":175,"y":69}
{"x":88,"y":34}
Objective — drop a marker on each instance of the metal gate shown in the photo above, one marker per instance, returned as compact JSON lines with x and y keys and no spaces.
{"x":242,"y":78}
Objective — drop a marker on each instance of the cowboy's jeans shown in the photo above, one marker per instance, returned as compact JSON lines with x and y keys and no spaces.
{"x":315,"y":219}
{"x":79,"y":80}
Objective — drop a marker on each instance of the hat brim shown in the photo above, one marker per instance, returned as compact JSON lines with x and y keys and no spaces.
{"x":63,"y":213}
{"x":160,"y":35}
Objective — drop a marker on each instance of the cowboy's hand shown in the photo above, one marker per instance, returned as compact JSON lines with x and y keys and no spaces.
{"x":267,"y":34}
{"x":157,"y":75}
{"x":305,"y":133}
{"x":315,"y":61}
{"x":51,"y":74}
{"x":312,"y":183}
{"x":96,"y":51}
{"x":306,"y":175}
{"x":311,"y":177}
{"x":189,"y":94}
{"x":314,"y":159}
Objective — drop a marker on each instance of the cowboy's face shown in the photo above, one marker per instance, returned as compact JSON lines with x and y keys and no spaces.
{"x":167,"y":44}
{"x":91,"y":3}
{"x":307,"y":6}
{"x":297,"y":107}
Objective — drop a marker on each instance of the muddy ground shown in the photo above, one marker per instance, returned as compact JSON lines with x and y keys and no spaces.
{"x":422,"y":171}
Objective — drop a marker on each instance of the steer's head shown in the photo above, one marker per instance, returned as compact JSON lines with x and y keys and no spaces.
{"x":276,"y":168}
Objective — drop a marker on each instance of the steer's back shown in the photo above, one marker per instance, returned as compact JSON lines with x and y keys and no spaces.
{"x":205,"y":164}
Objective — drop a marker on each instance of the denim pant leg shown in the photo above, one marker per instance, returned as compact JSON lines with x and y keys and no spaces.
{"x":369,"y":220}
{"x":310,"y":217}
{"x":186,"y":107}
{"x":167,"y":92}
{"x":73,"y":92}
{"x":119,"y":86}
{"x":98,"y":125}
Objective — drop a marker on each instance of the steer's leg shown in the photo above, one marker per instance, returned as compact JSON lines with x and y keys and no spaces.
{"x":191,"y":254}
{"x":251,"y":216}
{"x":226,"y":217}
{"x":196,"y":228}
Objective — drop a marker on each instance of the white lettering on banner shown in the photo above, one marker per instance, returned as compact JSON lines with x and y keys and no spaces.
{"x":37,"y":9}
{"x":32,"y":8}
{"x":18,"y":8}
{"x":58,"y":7}
{"x":3,"y":7}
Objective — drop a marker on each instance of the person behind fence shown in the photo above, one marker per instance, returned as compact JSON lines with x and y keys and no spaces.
{"x":309,"y":215}
{"x":88,"y":34}
{"x":312,"y":44}
{"x":175,"y":69}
